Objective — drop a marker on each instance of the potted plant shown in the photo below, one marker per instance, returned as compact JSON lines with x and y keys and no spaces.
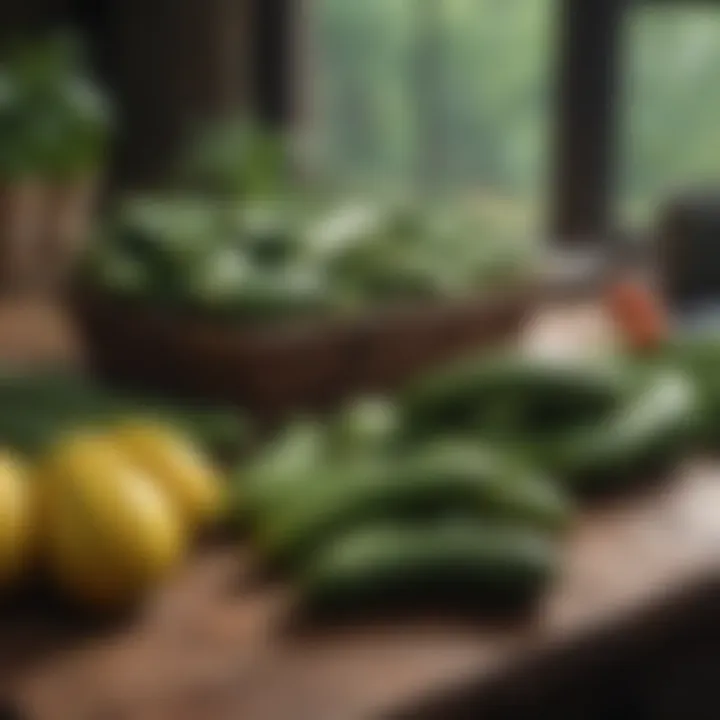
{"x":54,"y":128}
{"x":21,"y":196}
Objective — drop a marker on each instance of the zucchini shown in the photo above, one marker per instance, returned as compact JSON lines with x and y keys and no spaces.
{"x":266,"y":295}
{"x":475,"y":564}
{"x":699,"y":357}
{"x":365,"y":425}
{"x":509,"y":394}
{"x":440,"y":479}
{"x":281,"y":471}
{"x":651,"y":430}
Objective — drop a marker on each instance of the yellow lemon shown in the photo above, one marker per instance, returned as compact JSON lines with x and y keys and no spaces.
{"x":178,"y":466}
{"x":111,"y":534}
{"x":16,"y":518}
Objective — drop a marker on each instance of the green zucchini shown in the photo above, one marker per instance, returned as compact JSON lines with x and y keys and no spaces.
{"x":651,"y":430}
{"x":367,"y":424}
{"x":281,"y":471}
{"x":478,"y":564}
{"x":699,"y":356}
{"x":510,"y":395}
{"x":436,"y":480}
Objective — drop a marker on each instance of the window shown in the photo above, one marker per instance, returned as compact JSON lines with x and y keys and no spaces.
{"x":444,"y":95}
{"x":670,"y":121}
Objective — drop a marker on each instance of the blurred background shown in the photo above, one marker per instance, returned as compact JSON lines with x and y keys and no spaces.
{"x":458,"y":95}
{"x":251,"y":212}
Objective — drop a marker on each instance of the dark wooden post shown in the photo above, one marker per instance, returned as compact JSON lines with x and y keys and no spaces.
{"x":27,"y":15}
{"x":275,"y":63}
{"x":171,"y":64}
{"x":590,"y":44}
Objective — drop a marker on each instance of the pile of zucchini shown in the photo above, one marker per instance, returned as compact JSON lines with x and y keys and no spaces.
{"x":461,"y":489}
{"x":268,"y":259}
{"x":593,"y":425}
{"x":239,"y":239}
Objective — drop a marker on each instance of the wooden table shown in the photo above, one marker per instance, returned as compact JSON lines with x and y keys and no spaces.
{"x":212,"y":645}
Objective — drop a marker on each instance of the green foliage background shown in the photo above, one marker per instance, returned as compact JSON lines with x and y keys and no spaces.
{"x":457,"y":94}
{"x":670,"y":130}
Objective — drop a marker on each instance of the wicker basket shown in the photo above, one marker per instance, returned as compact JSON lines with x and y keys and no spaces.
{"x":276,"y":369}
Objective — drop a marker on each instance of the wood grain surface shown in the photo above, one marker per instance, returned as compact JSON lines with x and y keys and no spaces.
{"x":216,"y":644}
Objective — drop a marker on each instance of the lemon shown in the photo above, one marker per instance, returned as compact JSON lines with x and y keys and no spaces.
{"x":178,"y":466}
{"x":16,"y":511}
{"x":111,"y":535}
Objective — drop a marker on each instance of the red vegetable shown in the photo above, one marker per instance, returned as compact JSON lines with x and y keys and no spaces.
{"x":638,"y":314}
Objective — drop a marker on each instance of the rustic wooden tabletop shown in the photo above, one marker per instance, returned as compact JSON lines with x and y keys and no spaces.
{"x":214,"y":644}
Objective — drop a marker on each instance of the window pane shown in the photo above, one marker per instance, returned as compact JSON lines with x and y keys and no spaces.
{"x":358,"y":77}
{"x":670,"y":134}
{"x":450,"y":95}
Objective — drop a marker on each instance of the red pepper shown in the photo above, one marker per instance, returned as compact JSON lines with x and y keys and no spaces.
{"x":638,"y":314}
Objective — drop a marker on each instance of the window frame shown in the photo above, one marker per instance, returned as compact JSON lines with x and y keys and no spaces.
{"x":586,"y":116}
{"x":585,"y":106}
